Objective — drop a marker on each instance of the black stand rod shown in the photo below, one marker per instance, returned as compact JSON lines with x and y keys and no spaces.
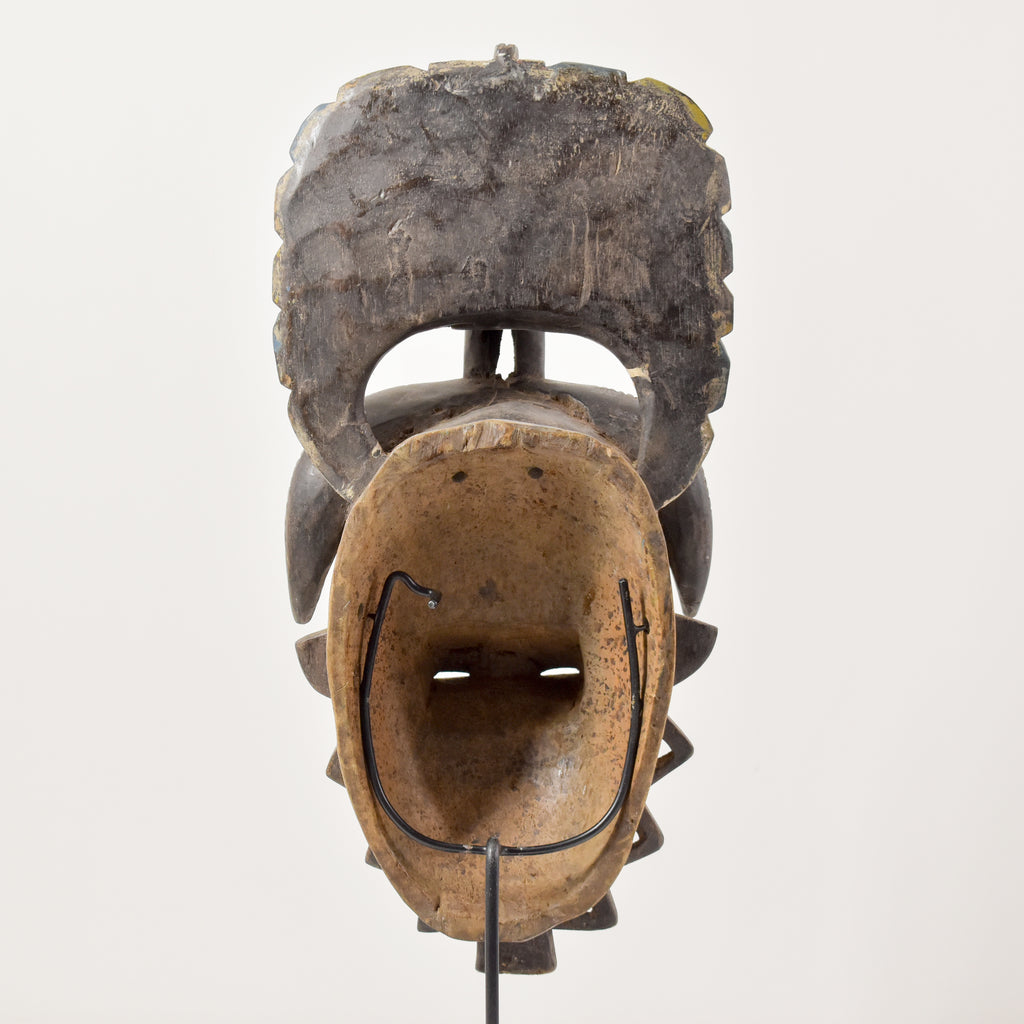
{"x":491,"y":886}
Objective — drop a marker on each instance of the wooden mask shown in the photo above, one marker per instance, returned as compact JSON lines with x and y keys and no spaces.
{"x":502,"y":646}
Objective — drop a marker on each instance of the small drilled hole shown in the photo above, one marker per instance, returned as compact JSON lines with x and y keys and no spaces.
{"x":459,"y":477}
{"x":535,"y":471}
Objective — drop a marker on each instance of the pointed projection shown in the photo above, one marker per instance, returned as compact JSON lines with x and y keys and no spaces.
{"x":680,"y":750}
{"x":535,"y":956}
{"x":694,"y":642}
{"x":649,"y":838}
{"x":334,"y":770}
{"x":314,"y":521}
{"x":600,"y":916}
{"x":312,"y":653}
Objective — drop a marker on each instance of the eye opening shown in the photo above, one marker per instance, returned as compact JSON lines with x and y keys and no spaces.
{"x":561,"y":672}
{"x":447,"y":674}
{"x":437,"y":354}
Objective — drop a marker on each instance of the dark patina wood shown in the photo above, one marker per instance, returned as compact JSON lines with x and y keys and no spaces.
{"x":316,"y":512}
{"x":504,"y":195}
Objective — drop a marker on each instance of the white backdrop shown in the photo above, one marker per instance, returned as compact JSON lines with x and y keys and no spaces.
{"x":846,"y":844}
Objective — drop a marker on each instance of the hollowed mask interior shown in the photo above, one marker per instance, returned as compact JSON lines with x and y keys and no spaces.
{"x":506,"y":710}
{"x":499,"y":748}
{"x":475,"y":734}
{"x":503,"y":728}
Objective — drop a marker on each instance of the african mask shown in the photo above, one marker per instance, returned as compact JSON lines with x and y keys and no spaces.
{"x":502,"y":645}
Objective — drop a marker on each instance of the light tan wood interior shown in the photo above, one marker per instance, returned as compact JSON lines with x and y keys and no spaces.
{"x":526,"y":532}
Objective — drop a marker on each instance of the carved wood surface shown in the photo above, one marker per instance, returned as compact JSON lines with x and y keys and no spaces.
{"x":525,"y":529}
{"x":504,"y":194}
